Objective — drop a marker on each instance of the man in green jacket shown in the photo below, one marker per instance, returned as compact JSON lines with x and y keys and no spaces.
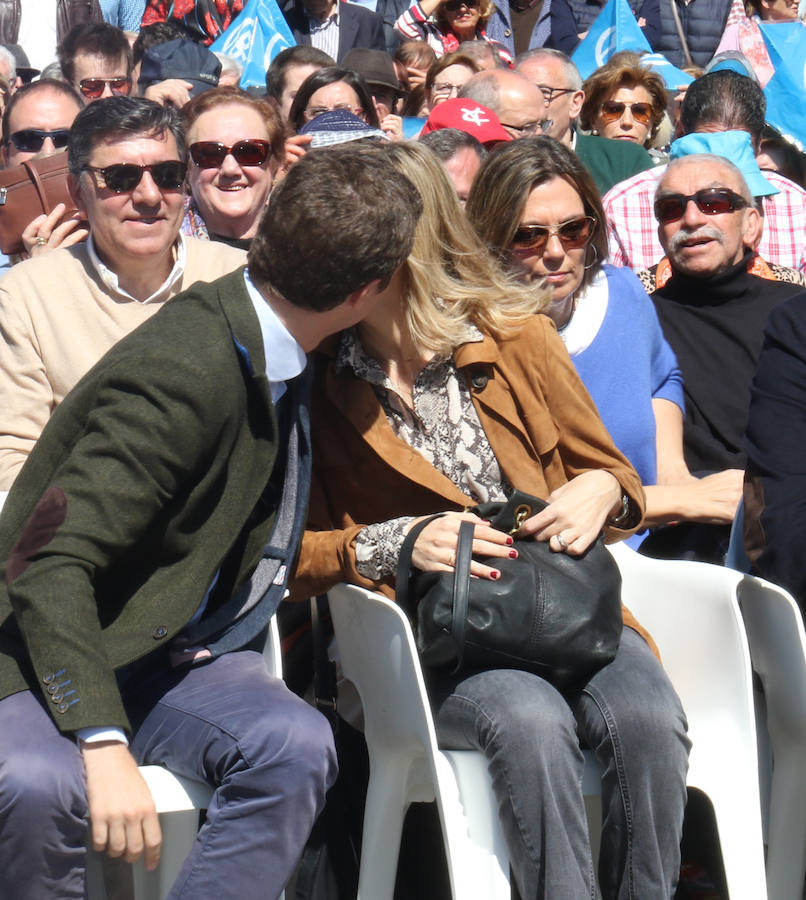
{"x":149,"y":538}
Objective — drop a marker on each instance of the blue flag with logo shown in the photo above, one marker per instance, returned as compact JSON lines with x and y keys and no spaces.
{"x":785,"y":91}
{"x":615,"y":29}
{"x":258,"y":34}
{"x":672,"y":77}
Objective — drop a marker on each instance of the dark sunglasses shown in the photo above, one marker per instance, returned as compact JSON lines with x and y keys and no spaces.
{"x":92,"y":88}
{"x":30,"y":140}
{"x":455,"y":5}
{"x":123,"y":177}
{"x":572,"y":234}
{"x":614,"y":109}
{"x":710,"y":201}
{"x":211,"y":154}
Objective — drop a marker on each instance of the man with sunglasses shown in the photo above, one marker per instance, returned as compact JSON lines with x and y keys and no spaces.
{"x":37,"y":120}
{"x":558,"y":79}
{"x":61,"y":311}
{"x":152,"y":534}
{"x":713,"y":295}
{"x":96,"y":59}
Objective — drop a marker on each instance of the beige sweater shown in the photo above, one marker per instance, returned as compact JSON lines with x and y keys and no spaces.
{"x":57,"y":319}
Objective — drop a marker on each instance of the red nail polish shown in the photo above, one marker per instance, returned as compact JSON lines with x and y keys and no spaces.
{"x":513,"y":554}
{"x":495,"y":574}
{"x":510,"y":541}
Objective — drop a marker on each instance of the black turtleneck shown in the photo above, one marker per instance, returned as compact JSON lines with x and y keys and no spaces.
{"x":715,"y":327}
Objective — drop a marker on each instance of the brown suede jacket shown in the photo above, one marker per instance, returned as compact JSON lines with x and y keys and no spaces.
{"x":541,"y":423}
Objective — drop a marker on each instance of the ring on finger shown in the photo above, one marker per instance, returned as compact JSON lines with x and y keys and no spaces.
{"x":561,"y":540}
{"x":41,"y":241}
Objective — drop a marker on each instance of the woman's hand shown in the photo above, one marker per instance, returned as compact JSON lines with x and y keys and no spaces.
{"x":392,"y":127}
{"x":435,"y":548}
{"x":52,"y":231}
{"x":416,"y":76}
{"x":576,"y":513}
{"x":295,"y":148}
{"x":714,"y":498}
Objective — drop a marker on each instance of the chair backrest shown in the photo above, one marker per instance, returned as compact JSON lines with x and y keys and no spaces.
{"x":374,"y":636}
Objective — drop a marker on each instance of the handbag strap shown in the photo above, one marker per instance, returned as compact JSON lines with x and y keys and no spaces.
{"x":33,"y":174}
{"x":461,"y":589}
{"x":403,"y":578}
{"x":679,"y":28}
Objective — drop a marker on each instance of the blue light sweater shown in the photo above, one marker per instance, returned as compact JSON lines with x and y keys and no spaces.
{"x":627,"y":365}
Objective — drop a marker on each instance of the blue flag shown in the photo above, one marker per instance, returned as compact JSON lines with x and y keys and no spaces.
{"x":258,"y":34}
{"x":785,"y":91}
{"x":671,"y":75}
{"x":615,"y":29}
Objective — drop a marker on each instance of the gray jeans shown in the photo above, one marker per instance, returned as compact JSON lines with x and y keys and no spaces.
{"x":629,"y":714}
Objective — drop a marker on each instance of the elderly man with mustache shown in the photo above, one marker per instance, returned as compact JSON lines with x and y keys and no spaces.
{"x":712,"y":295}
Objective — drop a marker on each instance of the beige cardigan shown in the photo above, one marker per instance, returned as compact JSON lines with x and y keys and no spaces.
{"x":57,"y":319}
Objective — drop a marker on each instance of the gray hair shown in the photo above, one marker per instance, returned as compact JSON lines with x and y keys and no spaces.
{"x":703,"y":158}
{"x":482,"y":88}
{"x":7,"y":56}
{"x":573,"y":79}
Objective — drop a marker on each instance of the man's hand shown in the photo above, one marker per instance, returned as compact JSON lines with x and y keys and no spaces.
{"x":171,"y":92}
{"x":54,"y":230}
{"x":123,"y":819}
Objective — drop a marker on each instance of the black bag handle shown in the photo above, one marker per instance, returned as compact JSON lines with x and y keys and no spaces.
{"x":403,"y":577}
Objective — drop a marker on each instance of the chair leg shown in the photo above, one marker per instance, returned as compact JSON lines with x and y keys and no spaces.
{"x":786,"y":855}
{"x":387,"y":800}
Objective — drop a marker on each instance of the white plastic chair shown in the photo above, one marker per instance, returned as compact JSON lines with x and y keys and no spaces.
{"x":691,"y":611}
{"x":778,"y":652}
{"x":178,"y":801}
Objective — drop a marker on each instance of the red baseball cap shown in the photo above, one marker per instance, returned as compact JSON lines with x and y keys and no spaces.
{"x":467,"y":116}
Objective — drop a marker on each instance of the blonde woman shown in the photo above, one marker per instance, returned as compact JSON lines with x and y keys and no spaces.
{"x":453,"y":393}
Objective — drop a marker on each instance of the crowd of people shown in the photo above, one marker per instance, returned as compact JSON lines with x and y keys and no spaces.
{"x":426,"y":265}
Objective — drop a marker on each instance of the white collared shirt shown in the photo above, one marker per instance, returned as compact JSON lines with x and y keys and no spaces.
{"x":285,"y":359}
{"x":111,"y":281}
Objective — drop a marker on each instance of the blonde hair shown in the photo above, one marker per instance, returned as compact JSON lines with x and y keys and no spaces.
{"x":452,"y":280}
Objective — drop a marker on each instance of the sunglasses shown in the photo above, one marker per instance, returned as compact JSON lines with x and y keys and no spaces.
{"x":710,"y":201}
{"x":530,"y":128}
{"x":455,"y":5}
{"x":30,"y":140}
{"x":121,"y":178}
{"x":93,"y":88}
{"x":614,"y":109}
{"x":573,"y":234}
{"x":211,"y":154}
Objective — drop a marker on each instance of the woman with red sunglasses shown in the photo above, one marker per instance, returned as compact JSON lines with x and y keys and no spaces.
{"x":535,"y":204}
{"x":235,"y":144}
{"x":624,"y":101}
{"x":444,"y":24}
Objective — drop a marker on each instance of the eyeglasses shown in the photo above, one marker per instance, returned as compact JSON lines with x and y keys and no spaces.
{"x":573,"y":234}
{"x":550,"y":94}
{"x":93,"y":88}
{"x":614,"y":109}
{"x":121,"y":178}
{"x":211,"y":154}
{"x":530,"y":128}
{"x":30,"y":140}
{"x":455,"y":5}
{"x":710,"y":201}
{"x":445,"y":87}
{"x":313,"y":111}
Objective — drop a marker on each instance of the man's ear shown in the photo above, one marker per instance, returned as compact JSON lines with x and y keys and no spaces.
{"x":752,"y":227}
{"x":577,"y":99}
{"x":74,"y":186}
{"x":361,"y":299}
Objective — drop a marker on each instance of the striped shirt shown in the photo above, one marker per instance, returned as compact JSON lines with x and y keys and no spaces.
{"x":325,"y":35}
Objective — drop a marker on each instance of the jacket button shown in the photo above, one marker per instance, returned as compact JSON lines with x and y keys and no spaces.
{"x":62,"y":708}
{"x":57,"y":697}
{"x":508,"y":33}
{"x":52,"y":688}
{"x":48,"y":678}
{"x":479,"y":380}
{"x":160,"y":632}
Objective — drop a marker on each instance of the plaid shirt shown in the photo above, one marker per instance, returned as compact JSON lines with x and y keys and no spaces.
{"x":633,"y":229}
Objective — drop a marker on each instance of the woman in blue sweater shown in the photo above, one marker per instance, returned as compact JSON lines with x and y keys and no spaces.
{"x":535,"y":204}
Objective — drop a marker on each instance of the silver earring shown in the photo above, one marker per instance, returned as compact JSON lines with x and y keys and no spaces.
{"x":592,"y":263}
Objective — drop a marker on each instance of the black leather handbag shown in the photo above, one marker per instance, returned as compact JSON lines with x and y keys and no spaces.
{"x":549,"y":613}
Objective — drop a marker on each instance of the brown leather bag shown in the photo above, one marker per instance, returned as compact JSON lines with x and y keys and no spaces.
{"x":27,"y":191}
